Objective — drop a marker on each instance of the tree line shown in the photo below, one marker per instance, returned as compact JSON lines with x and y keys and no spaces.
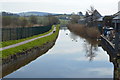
{"x":20,"y":21}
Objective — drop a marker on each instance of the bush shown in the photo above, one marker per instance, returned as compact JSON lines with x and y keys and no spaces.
{"x":83,"y":31}
{"x":92,"y":32}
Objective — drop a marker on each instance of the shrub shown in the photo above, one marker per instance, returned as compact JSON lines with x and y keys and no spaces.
{"x":83,"y":31}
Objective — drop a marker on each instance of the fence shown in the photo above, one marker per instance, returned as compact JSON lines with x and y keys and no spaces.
{"x":19,"y":33}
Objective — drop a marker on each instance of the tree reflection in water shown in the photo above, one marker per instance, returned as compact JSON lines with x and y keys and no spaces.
{"x":90,"y":45}
{"x":90,"y":51}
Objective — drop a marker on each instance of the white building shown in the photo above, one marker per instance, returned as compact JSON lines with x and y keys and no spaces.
{"x":119,"y":6}
{"x":119,"y":9}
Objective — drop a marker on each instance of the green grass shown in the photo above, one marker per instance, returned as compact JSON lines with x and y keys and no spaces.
{"x":39,"y":42}
{"x":7,"y":43}
{"x":63,"y":22}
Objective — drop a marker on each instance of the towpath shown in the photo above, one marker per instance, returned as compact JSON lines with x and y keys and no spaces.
{"x":27,"y":41}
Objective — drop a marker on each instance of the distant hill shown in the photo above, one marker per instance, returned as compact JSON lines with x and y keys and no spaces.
{"x":8,"y":14}
{"x":35,"y":13}
{"x":28,"y":14}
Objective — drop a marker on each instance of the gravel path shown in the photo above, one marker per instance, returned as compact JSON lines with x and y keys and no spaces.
{"x":27,"y":41}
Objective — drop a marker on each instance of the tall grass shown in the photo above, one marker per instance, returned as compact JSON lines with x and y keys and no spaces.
{"x":83,"y":31}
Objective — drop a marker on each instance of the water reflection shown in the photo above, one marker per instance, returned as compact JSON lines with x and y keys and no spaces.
{"x":25,"y":59}
{"x":67,"y":60}
{"x":73,"y":37}
{"x":91,"y":47}
{"x":91,"y":51}
{"x":63,"y":28}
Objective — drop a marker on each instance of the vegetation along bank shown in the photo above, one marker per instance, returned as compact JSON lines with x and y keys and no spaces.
{"x":15,"y":52}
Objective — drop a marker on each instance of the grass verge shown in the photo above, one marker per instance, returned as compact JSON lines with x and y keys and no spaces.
{"x":7,"y":43}
{"x":36,"y":43}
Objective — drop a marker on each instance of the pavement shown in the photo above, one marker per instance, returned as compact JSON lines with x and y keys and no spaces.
{"x":27,"y":41}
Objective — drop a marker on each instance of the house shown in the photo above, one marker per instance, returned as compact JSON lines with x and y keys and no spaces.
{"x":80,"y":14}
{"x":100,"y":24}
{"x":116,"y":17}
{"x":116,"y":14}
{"x":116,"y":22}
{"x":96,"y":15}
{"x":107,"y":21}
{"x":91,"y":20}
{"x":81,"y":21}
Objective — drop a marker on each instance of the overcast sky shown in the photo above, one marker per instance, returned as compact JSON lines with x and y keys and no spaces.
{"x":105,"y":7}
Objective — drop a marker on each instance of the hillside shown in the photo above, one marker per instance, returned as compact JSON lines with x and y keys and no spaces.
{"x":35,"y":13}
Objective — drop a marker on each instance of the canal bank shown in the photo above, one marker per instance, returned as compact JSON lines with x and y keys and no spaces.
{"x":68,"y":58}
{"x":22,"y":59}
{"x":16,"y":53}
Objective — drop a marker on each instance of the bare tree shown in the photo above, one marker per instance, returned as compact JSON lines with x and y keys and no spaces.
{"x":91,"y":10}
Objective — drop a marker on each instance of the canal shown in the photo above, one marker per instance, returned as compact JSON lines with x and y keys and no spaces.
{"x":70,"y":57}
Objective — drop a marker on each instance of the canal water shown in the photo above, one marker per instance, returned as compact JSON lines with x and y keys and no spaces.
{"x":70,"y":57}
